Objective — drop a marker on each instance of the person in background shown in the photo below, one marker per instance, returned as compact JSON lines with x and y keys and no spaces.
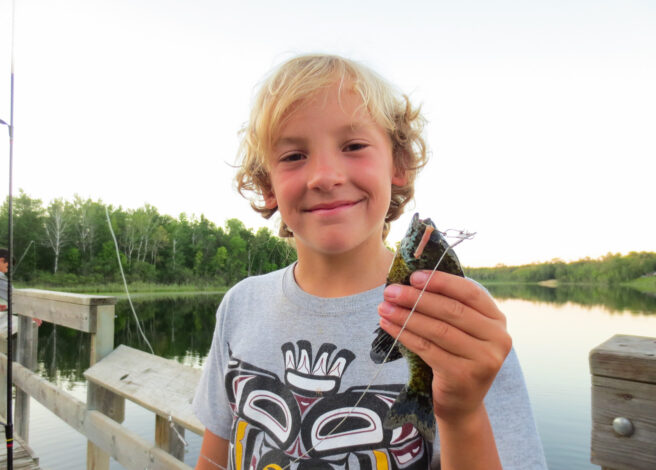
{"x":4,"y":284}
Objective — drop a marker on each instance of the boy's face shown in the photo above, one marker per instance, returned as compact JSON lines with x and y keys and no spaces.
{"x":331,"y":174}
{"x":4,"y":266}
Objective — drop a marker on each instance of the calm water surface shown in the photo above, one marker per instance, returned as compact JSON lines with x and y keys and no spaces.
{"x":553,"y":332}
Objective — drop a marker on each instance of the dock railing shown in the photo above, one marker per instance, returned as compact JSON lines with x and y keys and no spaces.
{"x":624,"y":403}
{"x":160,"y":385}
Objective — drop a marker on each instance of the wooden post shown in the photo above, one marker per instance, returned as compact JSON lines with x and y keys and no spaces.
{"x":98,"y":398}
{"x":167,"y":439}
{"x":624,"y":403}
{"x":3,"y":349}
{"x":27,"y":357}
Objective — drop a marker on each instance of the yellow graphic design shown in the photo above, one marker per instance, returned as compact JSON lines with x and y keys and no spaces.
{"x":273,"y":466}
{"x":239,"y":447}
{"x":381,"y":460}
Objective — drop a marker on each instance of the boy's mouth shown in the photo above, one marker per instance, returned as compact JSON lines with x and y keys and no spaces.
{"x":331,"y":207}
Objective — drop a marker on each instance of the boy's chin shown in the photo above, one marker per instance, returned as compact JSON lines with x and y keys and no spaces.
{"x":334,"y":244}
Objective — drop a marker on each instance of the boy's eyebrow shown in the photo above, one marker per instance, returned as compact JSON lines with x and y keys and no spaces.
{"x":291,"y":140}
{"x":345,"y":129}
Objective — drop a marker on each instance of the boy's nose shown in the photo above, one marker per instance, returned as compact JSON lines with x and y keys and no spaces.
{"x":326,"y":173}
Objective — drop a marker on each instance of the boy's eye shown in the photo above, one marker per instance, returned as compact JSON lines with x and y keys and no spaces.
{"x":354,"y":147}
{"x":292,"y":157}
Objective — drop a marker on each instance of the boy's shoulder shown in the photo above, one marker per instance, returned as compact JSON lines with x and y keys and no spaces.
{"x":261,"y":283}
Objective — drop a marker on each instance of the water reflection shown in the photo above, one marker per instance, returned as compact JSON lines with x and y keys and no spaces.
{"x":177,"y":327}
{"x":180,"y":327}
{"x":614,"y":299}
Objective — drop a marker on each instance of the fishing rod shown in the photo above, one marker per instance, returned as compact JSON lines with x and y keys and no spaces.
{"x":9,"y":426}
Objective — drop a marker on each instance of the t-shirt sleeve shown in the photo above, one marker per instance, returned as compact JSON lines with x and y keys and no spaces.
{"x":509,"y":409}
{"x":210,"y":403}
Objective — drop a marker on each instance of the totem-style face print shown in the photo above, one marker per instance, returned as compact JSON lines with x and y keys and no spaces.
{"x":305,"y":422}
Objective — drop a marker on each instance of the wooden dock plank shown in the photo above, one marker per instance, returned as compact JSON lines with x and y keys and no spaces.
{"x":125,"y":446}
{"x":160,"y":385}
{"x":75,"y":311}
{"x":625,"y":357}
{"x":24,"y":458}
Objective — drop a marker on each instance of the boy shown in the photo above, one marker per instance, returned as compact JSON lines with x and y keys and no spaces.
{"x":335,"y":151}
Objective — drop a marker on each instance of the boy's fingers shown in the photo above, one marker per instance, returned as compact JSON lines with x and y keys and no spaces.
{"x":432,"y":354}
{"x":457,"y":288}
{"x":449,"y":311}
{"x":440,"y":333}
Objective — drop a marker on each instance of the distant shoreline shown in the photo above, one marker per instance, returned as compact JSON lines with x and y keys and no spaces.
{"x":646,"y":285}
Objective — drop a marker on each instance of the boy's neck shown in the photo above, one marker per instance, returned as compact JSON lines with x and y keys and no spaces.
{"x":345,"y":274}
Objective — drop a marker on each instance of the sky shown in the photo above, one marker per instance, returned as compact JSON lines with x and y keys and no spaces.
{"x":541,"y":115}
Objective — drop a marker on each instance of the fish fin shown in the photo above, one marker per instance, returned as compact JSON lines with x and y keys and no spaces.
{"x":415,"y":408}
{"x":382,"y":345}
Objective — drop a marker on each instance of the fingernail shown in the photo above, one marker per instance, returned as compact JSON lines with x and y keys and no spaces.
{"x":385,"y":308}
{"x":419,"y":277}
{"x":392,"y":292}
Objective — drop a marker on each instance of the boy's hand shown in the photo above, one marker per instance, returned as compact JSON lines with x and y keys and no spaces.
{"x":457,"y":330}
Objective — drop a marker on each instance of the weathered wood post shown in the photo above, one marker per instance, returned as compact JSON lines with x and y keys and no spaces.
{"x":3,"y":349}
{"x":167,"y":439}
{"x":624,"y":403}
{"x":26,"y":355}
{"x":98,"y":398}
{"x":88,"y":313}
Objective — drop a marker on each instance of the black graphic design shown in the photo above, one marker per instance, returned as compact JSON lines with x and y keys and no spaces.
{"x":305,"y":422}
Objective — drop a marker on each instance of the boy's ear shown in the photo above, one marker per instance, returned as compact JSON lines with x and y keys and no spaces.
{"x":399,"y":177}
{"x":270,"y":201}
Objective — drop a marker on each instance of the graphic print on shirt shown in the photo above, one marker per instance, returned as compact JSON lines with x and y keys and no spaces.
{"x":294,"y":423}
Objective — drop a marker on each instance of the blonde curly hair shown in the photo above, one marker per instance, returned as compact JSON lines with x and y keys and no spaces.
{"x":302,"y":78}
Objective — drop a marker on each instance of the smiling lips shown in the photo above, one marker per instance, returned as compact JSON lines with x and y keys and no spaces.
{"x":331,"y":207}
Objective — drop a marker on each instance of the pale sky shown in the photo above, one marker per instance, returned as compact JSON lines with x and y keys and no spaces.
{"x":542,"y":115}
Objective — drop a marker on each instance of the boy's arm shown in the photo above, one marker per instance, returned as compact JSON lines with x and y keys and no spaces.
{"x":213,"y":452}
{"x":460,"y":333}
{"x":468,"y":443}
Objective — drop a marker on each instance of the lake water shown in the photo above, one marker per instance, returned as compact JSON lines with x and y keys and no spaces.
{"x":553,"y":332}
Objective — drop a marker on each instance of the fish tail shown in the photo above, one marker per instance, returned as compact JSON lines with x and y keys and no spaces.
{"x":413,"y":407}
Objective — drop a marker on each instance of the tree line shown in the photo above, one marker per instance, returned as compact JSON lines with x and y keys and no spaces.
{"x":610,"y":269}
{"x":69,"y":242}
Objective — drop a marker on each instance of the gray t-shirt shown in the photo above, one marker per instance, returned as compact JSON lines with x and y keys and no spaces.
{"x":288,"y":380}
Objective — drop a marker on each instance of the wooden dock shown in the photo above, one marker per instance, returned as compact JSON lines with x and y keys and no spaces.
{"x":24,"y":458}
{"x":99,"y":418}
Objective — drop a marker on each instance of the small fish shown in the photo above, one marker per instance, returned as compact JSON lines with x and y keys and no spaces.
{"x":421,"y":248}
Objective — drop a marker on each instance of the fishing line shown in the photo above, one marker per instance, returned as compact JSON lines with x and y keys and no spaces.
{"x":24,"y":253}
{"x":136,"y":318}
{"x":213,"y":462}
{"x":125,"y":283}
{"x":463,"y":236}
